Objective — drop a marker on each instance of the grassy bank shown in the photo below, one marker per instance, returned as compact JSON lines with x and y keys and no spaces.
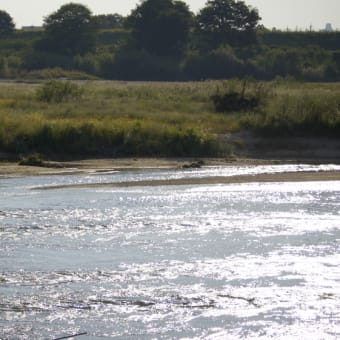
{"x":115,"y":119}
{"x":298,"y":110}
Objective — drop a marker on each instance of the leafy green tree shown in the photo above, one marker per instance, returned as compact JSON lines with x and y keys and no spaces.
{"x":220,"y":63}
{"x":6,"y":23}
{"x":70,"y":30}
{"x":161,"y":27}
{"x":139,"y":65}
{"x":109,"y":21}
{"x":227,"y":22}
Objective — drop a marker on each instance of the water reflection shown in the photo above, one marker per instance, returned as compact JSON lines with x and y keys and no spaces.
{"x":220,"y":261}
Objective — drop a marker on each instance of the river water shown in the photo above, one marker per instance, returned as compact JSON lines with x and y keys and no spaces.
{"x":245,"y":261}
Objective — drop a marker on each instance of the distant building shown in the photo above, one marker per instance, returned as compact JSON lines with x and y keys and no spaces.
{"x":32,"y":28}
{"x":328,"y":28}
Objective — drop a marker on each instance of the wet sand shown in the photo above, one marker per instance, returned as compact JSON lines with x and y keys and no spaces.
{"x":8,"y":170}
{"x":279,"y":177}
{"x":105,"y":165}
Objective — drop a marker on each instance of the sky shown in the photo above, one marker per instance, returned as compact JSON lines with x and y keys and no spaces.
{"x":282,"y":14}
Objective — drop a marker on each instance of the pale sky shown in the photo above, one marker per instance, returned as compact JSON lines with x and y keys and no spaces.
{"x":281,"y":14}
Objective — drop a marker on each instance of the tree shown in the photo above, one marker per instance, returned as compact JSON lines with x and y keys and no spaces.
{"x":227,"y":22}
{"x":161,"y":27}
{"x":220,"y":63}
{"x":109,"y":21}
{"x":71,"y":30}
{"x":6,"y":23}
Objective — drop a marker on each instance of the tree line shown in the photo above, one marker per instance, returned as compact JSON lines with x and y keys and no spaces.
{"x":164,"y":40}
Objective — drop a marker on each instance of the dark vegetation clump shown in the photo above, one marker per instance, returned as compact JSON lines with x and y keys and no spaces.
{"x":234,"y":102}
{"x":33,"y":159}
{"x":194,"y":165}
{"x":234,"y":98}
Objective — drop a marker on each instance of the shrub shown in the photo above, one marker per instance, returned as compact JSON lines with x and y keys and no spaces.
{"x":57,"y":73}
{"x":138,"y":65}
{"x":221,"y":63}
{"x":59,"y":91}
{"x":240,"y":96}
{"x":36,"y":60}
{"x":234,"y":101}
{"x":32,"y":160}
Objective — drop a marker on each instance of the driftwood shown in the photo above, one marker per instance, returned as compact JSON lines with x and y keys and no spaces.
{"x":193,"y":165}
{"x":249,"y":300}
{"x":70,"y":336}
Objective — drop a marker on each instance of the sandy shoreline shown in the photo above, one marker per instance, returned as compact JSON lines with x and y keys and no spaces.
{"x":263,"y":178}
{"x":10,"y":170}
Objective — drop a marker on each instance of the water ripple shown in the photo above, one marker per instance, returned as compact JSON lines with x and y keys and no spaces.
{"x":210,"y":262}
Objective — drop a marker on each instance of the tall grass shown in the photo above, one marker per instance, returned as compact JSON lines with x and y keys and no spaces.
{"x":158,"y":119}
{"x":299,"y":110}
{"x":108,"y":119}
{"x":59,"y":91}
{"x":103,"y":137}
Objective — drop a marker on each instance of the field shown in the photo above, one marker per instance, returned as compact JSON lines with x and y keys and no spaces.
{"x":62,"y":120}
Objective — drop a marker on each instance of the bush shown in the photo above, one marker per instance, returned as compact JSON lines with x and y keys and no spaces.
{"x":32,"y":160}
{"x":35,"y":60}
{"x":307,"y":63}
{"x":221,"y":63}
{"x":138,"y":65}
{"x":241,"y":96}
{"x":233,"y":101}
{"x":59,"y":91}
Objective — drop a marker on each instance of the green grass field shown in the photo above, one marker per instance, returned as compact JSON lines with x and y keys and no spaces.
{"x":117,"y":119}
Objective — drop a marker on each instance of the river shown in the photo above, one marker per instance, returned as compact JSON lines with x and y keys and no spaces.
{"x":232,"y":261}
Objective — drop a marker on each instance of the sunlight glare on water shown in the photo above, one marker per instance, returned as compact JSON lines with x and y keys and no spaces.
{"x":258,"y":260}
